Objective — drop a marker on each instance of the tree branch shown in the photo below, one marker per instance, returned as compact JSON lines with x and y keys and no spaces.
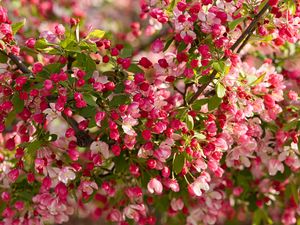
{"x":17,"y":61}
{"x":246,"y":34}
{"x":83,"y":138}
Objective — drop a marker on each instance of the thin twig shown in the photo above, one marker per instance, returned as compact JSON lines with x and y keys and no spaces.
{"x":83,"y":138}
{"x":17,"y":61}
{"x":246,"y":34}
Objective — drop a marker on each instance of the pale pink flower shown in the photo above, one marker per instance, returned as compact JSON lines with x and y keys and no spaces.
{"x":155,"y":186}
{"x":177,"y":204}
{"x":100,"y":147}
{"x":66,"y":174}
{"x":274,"y":166}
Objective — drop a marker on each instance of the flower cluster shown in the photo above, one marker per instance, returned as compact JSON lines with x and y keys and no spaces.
{"x":202,"y":128}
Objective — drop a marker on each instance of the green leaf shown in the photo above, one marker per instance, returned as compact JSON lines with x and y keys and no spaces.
{"x":181,"y":47}
{"x":126,"y":52}
{"x":214,"y":102}
{"x":258,"y":80}
{"x":291,"y":5}
{"x":3,"y":58}
{"x":178,"y":163}
{"x":232,"y":25}
{"x":18,"y":103}
{"x":30,"y":153}
{"x":72,"y":46}
{"x":85,"y":62}
{"x":169,"y":42}
{"x":258,"y":217}
{"x":88,"y":46}
{"x":119,"y":100}
{"x":219,"y":66}
{"x":90,"y":99}
{"x":291,"y":125}
{"x":96,"y":34}
{"x":17,"y":26}
{"x":121,"y":164}
{"x":190,"y":122}
{"x":41,"y":44}
{"x":70,"y":37}
{"x":199,"y":135}
{"x":199,"y":103}
{"x":88,"y":112}
{"x":221,"y":90}
{"x":53,"y":68}
{"x":135,"y":69}
{"x":204,"y":79}
{"x":10,"y":118}
{"x":295,"y":193}
{"x":119,"y":88}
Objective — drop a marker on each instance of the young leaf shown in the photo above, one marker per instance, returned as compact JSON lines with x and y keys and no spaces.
{"x":178,"y":163}
{"x":90,"y":100}
{"x":18,"y":103}
{"x":199,"y":103}
{"x":169,"y":42}
{"x":41,"y":44}
{"x":214,"y":102}
{"x":96,"y":34}
{"x":190,"y":122}
{"x":17,"y":26}
{"x":199,"y":135}
{"x":232,"y":25}
{"x":118,"y":100}
{"x":30,"y":153}
{"x":135,"y":69}
{"x":258,"y":80}
{"x":219,"y":66}
{"x":221,"y":90}
{"x":86,"y":63}
{"x":126,"y":52}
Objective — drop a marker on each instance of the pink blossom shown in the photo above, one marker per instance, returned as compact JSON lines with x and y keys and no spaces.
{"x":88,"y":187}
{"x":177,"y":204}
{"x":66,"y":174}
{"x":157,"y":46}
{"x":275,"y":166}
{"x":155,"y":186}
{"x":100,"y":147}
{"x":59,"y":29}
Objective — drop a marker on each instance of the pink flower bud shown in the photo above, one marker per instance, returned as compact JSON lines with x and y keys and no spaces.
{"x":19,"y":205}
{"x":293,"y":95}
{"x":144,"y":62}
{"x":5,"y":196}
{"x":99,"y":117}
{"x":13,"y":175}
{"x":60,"y":29}
{"x":157,"y":46}
{"x":37,"y":67}
{"x":61,"y":190}
{"x":48,"y":85}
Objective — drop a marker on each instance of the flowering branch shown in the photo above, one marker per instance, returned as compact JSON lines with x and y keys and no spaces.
{"x":83,"y":138}
{"x":241,"y":40}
